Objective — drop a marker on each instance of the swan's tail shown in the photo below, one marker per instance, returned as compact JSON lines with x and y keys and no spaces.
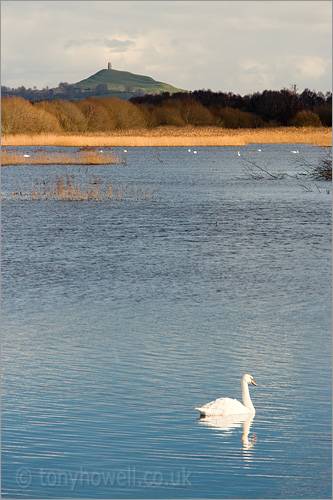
{"x":202,"y":412}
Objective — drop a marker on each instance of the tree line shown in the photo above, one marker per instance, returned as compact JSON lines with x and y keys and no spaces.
{"x":68,"y":91}
{"x":199,"y":108}
{"x":270,"y":107}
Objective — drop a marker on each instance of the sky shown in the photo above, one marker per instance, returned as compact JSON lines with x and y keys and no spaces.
{"x":230,"y":46}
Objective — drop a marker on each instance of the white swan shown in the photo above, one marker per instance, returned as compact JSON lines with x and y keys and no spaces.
{"x":228,"y":406}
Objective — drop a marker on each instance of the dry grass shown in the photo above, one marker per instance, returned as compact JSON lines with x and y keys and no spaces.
{"x":69,"y":188}
{"x":179,"y":136}
{"x":86,"y":157}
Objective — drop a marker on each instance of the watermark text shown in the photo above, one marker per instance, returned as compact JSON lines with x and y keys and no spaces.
{"x":113,"y":478}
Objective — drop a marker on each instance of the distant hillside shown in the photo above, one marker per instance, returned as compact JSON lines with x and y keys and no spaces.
{"x":123,"y":81}
{"x":104,"y":83}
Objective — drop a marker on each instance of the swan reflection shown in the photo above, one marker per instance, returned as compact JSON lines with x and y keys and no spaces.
{"x":228,"y":423}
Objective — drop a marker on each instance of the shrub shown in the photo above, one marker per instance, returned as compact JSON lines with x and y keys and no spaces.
{"x":235,"y":118}
{"x":123,"y":114}
{"x":168,"y":113}
{"x":20,"y":116}
{"x":148,"y":114}
{"x":324,"y":170}
{"x":194,"y":113}
{"x":70,"y":117}
{"x":96,"y":116}
{"x":305,"y":119}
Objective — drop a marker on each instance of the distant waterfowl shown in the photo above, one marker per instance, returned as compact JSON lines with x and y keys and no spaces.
{"x":228,"y":406}
{"x":194,"y":152}
{"x":101,"y":151}
{"x":295,"y":152}
{"x":189,"y":150}
{"x":238,"y":153}
{"x":259,"y":150}
{"x":26,"y":155}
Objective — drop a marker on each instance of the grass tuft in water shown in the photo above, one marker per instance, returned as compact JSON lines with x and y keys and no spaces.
{"x":69,"y":188}
{"x":84,"y":156}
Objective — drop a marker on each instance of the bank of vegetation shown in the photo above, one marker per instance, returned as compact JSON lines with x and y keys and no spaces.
{"x":166,"y":136}
{"x":82,"y":156}
{"x":203,"y":108}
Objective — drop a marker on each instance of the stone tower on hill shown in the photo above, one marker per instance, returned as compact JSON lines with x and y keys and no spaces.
{"x":109,"y":65}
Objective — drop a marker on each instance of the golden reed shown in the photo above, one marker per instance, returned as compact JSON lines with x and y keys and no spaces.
{"x":69,"y":188}
{"x":90,"y":157}
{"x":179,"y":136}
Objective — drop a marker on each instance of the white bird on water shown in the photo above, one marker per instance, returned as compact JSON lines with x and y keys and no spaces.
{"x":26,"y":156}
{"x":295,"y":152}
{"x":238,"y":153}
{"x":228,"y":406}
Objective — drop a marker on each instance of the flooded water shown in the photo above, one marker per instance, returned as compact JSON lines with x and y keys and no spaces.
{"x":119,"y":317}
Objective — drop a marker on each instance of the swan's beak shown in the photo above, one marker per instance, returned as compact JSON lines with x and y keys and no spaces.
{"x":253,"y":382}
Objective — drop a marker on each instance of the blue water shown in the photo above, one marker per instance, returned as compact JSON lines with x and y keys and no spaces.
{"x":120,"y":317}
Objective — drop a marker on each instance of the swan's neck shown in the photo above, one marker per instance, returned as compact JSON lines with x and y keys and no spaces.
{"x":246,"y":396}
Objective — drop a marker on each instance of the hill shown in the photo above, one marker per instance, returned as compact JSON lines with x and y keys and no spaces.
{"x":108,"y":80}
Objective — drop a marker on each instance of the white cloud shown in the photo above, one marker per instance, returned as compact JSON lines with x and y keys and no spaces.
{"x":313,"y":67}
{"x":241,"y":46}
{"x":114,"y":44}
{"x":249,"y":64}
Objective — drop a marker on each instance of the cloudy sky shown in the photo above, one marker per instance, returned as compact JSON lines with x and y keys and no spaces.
{"x":232,"y":46}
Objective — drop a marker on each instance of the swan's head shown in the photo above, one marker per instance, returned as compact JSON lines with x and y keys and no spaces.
{"x":249,"y":379}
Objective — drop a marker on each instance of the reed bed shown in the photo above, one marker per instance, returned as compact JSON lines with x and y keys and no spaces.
{"x":69,"y":188}
{"x":83,"y":157}
{"x":179,"y":136}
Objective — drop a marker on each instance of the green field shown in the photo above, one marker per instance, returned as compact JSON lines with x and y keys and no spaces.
{"x":123,"y":81}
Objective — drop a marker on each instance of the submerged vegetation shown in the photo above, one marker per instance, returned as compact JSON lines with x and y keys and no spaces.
{"x":324,"y":169}
{"x":69,"y":188}
{"x":320,"y":171}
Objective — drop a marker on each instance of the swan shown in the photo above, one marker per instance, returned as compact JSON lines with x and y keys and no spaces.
{"x":228,"y":406}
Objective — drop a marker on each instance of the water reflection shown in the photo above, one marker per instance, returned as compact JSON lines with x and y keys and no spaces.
{"x":228,"y":423}
{"x":104,"y":303}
